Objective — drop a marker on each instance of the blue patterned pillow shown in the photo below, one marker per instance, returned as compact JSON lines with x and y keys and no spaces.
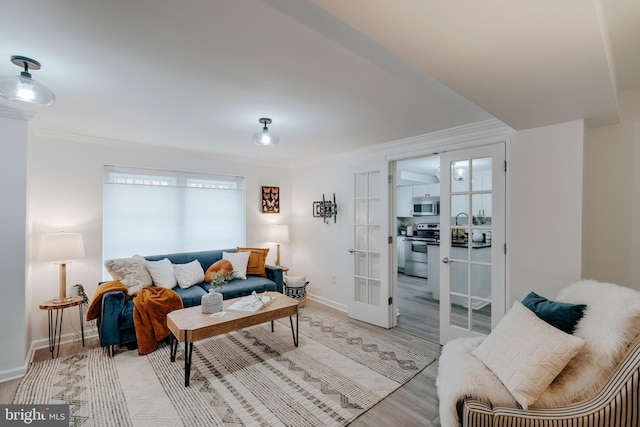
{"x":562,"y":315}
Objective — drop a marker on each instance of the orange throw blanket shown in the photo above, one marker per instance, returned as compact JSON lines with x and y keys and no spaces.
{"x":150,"y":308}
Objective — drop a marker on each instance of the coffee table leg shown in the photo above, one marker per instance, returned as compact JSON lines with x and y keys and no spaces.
{"x":294,"y":331}
{"x":188,"y":350}
{"x":174,"y":347}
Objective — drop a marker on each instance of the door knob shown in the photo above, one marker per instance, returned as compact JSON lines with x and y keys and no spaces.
{"x":351,"y":251}
{"x":446,"y":260}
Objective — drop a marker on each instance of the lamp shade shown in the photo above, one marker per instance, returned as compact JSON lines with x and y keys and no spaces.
{"x":279,"y":234}
{"x":61,"y":247}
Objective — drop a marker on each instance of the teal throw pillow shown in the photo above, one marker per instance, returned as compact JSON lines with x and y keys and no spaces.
{"x":562,"y":315}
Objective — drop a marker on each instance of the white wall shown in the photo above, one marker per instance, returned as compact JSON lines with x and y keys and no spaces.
{"x":544,"y":185}
{"x":612,"y":198}
{"x":65,"y":193}
{"x":544,"y":210}
{"x":13,"y":185}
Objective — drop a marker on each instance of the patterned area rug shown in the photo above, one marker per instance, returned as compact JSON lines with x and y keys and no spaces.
{"x":251,"y":377}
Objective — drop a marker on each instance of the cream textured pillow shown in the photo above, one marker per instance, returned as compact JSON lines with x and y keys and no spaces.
{"x":131,"y":272}
{"x":188,"y":274}
{"x":239,"y":261}
{"x":526,"y":353}
{"x":162,"y":273}
{"x":295,"y":281}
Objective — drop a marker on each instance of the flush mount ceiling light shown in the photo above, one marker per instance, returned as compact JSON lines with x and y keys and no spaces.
{"x":458,"y":172}
{"x":22,"y":89}
{"x":265,"y":137}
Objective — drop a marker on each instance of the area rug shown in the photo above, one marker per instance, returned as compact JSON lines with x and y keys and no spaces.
{"x":252,"y":377}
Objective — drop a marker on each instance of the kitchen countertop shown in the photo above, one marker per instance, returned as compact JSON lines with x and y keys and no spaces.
{"x":474,"y":245}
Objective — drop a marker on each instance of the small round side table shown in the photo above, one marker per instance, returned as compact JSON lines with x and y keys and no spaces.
{"x":55,"y":329}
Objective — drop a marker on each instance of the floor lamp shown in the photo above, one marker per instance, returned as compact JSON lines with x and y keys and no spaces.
{"x":279,"y":234}
{"x":61,"y":248}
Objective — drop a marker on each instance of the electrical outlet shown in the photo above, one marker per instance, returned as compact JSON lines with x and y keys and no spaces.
{"x":333,"y":279}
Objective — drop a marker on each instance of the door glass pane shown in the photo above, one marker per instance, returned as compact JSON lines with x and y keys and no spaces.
{"x":374,"y":211}
{"x":361,"y":211}
{"x":374,"y":266}
{"x":481,"y":180}
{"x":360,"y":264}
{"x":459,"y":312}
{"x":483,"y":253}
{"x":374,"y":238}
{"x":374,"y":293}
{"x":460,"y":209}
{"x":361,"y":185}
{"x":481,"y":318}
{"x":459,"y":278}
{"x":360,"y":238}
{"x":360,"y":289}
{"x":481,"y":280}
{"x":459,"y":176}
{"x":374,"y":187}
{"x":460,"y":244}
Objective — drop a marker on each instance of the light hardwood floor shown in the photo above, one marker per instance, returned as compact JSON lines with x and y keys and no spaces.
{"x":414,"y":404}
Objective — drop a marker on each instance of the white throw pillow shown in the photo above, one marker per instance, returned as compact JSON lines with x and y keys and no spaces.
{"x":131,"y":272}
{"x":162,"y":273}
{"x":188,"y":274}
{"x":526,"y":353}
{"x":239,"y":261}
{"x":295,"y":281}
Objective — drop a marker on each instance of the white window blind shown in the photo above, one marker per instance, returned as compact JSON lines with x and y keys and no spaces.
{"x":151,"y":212}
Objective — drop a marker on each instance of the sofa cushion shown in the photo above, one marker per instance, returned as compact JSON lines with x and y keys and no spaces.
{"x":239,"y":261}
{"x":526,"y":353}
{"x":222,"y":266}
{"x":131,"y":272}
{"x":563,"y":316}
{"x":257,"y":260}
{"x":188,"y":274}
{"x":162,"y":273}
{"x":190,"y":296}
{"x":241,"y":288}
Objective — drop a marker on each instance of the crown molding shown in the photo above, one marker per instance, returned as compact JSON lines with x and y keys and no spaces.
{"x":8,"y":112}
{"x":88,"y":139}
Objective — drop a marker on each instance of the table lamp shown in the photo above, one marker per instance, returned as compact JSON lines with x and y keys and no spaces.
{"x":279,"y":234}
{"x":61,"y":248}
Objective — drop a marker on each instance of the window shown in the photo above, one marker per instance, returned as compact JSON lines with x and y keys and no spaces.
{"x":150,"y":212}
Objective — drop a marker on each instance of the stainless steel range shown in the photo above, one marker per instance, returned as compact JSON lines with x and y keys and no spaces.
{"x":415,"y":249}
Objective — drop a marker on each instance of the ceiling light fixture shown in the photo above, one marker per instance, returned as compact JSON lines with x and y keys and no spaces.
{"x":265,"y":137}
{"x":458,"y":173}
{"x":22,"y":89}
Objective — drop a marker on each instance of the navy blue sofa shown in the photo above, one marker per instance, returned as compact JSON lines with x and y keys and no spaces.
{"x":115,"y":323}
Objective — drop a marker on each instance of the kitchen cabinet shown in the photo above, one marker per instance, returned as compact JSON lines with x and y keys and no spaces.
{"x":400,"y":251}
{"x":403,"y":201}
{"x":428,"y":190}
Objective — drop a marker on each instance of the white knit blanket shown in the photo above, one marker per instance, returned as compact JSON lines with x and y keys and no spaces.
{"x":610,"y":324}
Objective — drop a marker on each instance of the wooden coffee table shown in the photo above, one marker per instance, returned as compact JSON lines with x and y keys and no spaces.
{"x":190,"y":324}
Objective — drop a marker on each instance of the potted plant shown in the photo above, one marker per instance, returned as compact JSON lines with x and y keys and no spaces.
{"x":79,"y":289}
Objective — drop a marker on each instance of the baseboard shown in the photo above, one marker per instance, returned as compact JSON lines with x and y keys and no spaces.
{"x":328,"y":302}
{"x":12,"y":374}
{"x":64,"y":339}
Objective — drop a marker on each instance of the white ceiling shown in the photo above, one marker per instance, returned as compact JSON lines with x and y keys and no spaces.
{"x":333,"y":75}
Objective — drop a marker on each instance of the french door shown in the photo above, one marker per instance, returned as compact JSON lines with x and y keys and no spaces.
{"x":369,"y":293}
{"x":472,"y":241}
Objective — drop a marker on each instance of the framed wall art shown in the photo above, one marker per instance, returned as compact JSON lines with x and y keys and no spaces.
{"x":270,"y":199}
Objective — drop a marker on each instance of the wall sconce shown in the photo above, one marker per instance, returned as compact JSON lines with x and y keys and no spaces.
{"x":326,"y":209}
{"x":279,"y":234}
{"x":61,"y":248}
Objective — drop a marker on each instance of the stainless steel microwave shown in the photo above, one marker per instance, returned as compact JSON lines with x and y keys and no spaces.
{"x":423,"y":206}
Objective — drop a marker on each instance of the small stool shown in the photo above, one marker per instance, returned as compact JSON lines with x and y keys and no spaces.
{"x":296,"y":287}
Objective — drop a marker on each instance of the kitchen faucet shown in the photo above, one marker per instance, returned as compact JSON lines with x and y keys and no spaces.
{"x":462,"y":213}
